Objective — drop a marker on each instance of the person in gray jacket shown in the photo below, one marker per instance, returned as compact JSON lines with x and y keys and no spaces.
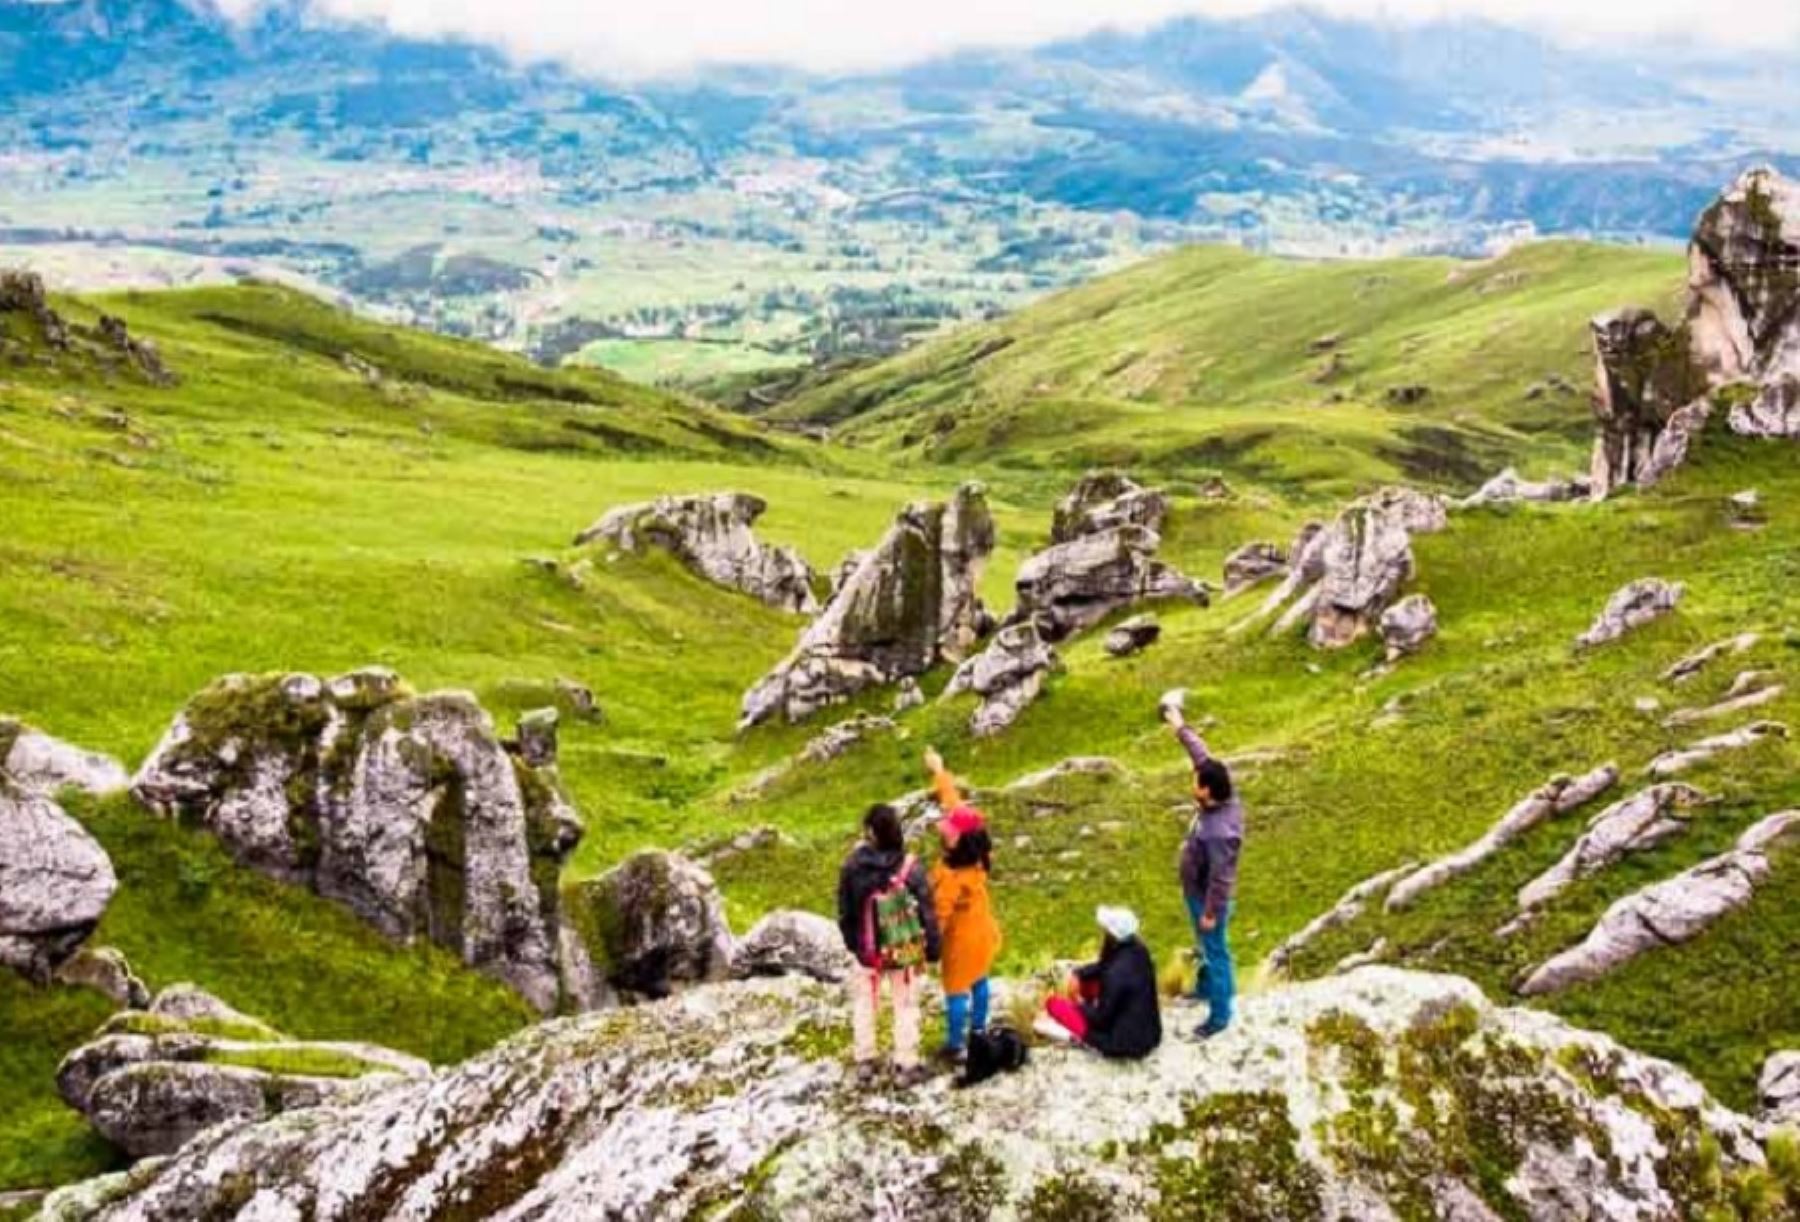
{"x":1209,"y":871}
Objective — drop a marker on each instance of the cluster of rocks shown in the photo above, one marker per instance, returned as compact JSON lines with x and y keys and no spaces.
{"x":1343,"y":577}
{"x":1007,"y":676}
{"x":1670,"y":912}
{"x":1635,"y":825}
{"x":152,"y":1080}
{"x":1101,"y":559}
{"x":737,"y":1099}
{"x":712,"y":536}
{"x":109,"y":342}
{"x":1657,"y":386}
{"x":408,"y":810}
{"x":906,"y":606}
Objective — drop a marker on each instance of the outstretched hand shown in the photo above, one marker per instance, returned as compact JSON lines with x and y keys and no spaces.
{"x":1172,"y":717}
{"x":934,"y":763}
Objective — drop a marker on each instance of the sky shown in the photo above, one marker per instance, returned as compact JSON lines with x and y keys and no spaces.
{"x":659,"y":37}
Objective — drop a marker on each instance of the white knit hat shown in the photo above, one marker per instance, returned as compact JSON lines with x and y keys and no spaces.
{"x":1121,"y":923}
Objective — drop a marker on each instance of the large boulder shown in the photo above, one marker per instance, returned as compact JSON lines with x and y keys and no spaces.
{"x":1106,"y":500}
{"x":1670,"y":912}
{"x":408,"y":810}
{"x":1631,"y":607}
{"x":40,"y":764}
{"x":55,"y":883}
{"x":737,"y":1100}
{"x":1366,"y":558}
{"x":1072,"y":586}
{"x":910,"y":604}
{"x":1639,"y":823}
{"x":1744,"y":299}
{"x":1643,"y":374}
{"x":151,"y":1081}
{"x":653,"y":924}
{"x":791,"y":943}
{"x":1007,"y":676}
{"x":1408,"y":625}
{"x":711,"y":534}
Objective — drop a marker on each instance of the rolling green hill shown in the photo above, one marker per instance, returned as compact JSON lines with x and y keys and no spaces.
{"x":1293,"y":374}
{"x":280,"y":510}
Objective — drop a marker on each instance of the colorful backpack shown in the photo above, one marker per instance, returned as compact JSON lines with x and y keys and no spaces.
{"x":893,"y":927}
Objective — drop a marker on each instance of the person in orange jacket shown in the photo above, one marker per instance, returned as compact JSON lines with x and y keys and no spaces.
{"x":959,"y":887}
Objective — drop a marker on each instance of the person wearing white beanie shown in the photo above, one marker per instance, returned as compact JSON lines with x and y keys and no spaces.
{"x":1111,"y":1004}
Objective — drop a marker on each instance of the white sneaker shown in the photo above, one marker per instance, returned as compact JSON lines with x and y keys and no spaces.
{"x":1050,"y":1029}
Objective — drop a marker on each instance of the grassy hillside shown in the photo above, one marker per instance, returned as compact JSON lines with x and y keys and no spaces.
{"x":1289,"y":373}
{"x":275,"y":511}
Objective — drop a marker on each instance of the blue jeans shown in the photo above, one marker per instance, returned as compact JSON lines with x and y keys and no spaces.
{"x":957,"y":1016}
{"x":1217,"y":980}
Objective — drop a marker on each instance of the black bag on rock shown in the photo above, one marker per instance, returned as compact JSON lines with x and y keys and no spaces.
{"x":992,"y":1050}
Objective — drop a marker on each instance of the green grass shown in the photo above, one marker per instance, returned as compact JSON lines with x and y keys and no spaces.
{"x":274,"y":513}
{"x":1201,"y":358}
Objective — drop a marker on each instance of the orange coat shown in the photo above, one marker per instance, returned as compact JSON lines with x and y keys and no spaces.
{"x":971,"y":935}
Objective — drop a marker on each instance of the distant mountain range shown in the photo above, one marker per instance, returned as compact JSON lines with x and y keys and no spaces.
{"x":773,"y":216}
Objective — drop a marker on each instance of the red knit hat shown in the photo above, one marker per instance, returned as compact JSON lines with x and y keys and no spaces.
{"x":964,"y":819}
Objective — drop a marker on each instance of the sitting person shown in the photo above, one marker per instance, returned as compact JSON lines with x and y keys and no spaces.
{"x":1111,"y":1004}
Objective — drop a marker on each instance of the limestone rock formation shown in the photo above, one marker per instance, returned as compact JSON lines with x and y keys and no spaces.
{"x":736,"y":1100}
{"x":1692,"y":664}
{"x":1008,"y":675}
{"x":153,"y":1080}
{"x":1778,"y":1088}
{"x":1638,"y":823}
{"x":1252,"y":563}
{"x":711,"y":534}
{"x":1366,"y":557}
{"x":39,"y":764}
{"x":1350,"y":906}
{"x":55,"y":883}
{"x":1631,"y":607}
{"x":839,"y":738}
{"x":910,"y":604}
{"x":1744,"y":299}
{"x":1751,"y":698}
{"x":1558,"y":796}
{"x":1132,"y":636}
{"x":790,"y":943}
{"x":1670,"y":912}
{"x":405,"y":809}
{"x":142,"y":354}
{"x":22,"y":292}
{"x":1074,"y":585}
{"x":651,"y":925}
{"x":1106,"y":500}
{"x":1643,"y":374}
{"x":1672,"y":763}
{"x":1407,"y":625}
{"x":1419,"y":513}
{"x":106,"y":971}
{"x":1509,"y":487}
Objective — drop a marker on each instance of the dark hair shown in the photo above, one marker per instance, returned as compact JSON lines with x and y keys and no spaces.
{"x":1216,"y":777}
{"x":974,"y":848}
{"x":883,"y":825}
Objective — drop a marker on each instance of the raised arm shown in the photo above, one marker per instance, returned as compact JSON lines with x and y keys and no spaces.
{"x":943,"y":785}
{"x":1189,"y":737}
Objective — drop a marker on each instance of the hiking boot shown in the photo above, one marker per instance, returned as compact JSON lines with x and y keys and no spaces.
{"x":952,"y":1057}
{"x":1206,"y":1030}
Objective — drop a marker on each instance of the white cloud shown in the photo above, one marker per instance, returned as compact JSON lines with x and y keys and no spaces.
{"x":649,"y":37}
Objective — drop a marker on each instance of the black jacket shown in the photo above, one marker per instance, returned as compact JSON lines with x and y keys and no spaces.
{"x":1126,"y":1019}
{"x":866,"y":871}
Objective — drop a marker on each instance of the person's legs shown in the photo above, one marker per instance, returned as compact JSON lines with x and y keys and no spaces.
{"x":956,"y":1021}
{"x":905,"y":988}
{"x":1221,"y":983}
{"x":865,"y":1001}
{"x":980,"y":996}
{"x":1068,"y":1015}
{"x":1196,"y":908}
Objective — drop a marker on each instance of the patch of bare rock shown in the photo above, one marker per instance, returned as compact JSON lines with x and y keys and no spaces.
{"x":1630,"y":608}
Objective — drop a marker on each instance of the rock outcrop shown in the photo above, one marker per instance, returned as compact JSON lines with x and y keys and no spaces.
{"x":1408,"y":625}
{"x":910,"y":604}
{"x":1692,"y":664}
{"x":1071,"y":586}
{"x":1008,"y":675}
{"x":1639,"y":823}
{"x":22,"y":293}
{"x":405,"y":809}
{"x":1673,"y":763}
{"x":1366,"y":558}
{"x":1778,"y":1088}
{"x":1643,"y":374}
{"x":55,"y":883}
{"x":1509,"y":487}
{"x":790,"y":943}
{"x":1132,"y":636}
{"x":153,"y":1080}
{"x":39,"y":764}
{"x":1253,"y":563}
{"x":1751,"y":698}
{"x":651,"y":925}
{"x":737,"y":1100}
{"x":1107,"y":500}
{"x":106,"y":971}
{"x":1630,"y":608}
{"x":1670,"y":912}
{"x":1558,"y":796}
{"x":1350,"y":906}
{"x":712,"y":536}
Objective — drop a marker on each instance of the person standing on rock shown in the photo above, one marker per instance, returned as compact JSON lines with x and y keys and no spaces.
{"x":889,"y":923}
{"x":968,"y":930}
{"x":1209,"y":870}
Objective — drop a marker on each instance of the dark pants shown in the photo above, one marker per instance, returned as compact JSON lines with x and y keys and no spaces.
{"x":1217,"y":979}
